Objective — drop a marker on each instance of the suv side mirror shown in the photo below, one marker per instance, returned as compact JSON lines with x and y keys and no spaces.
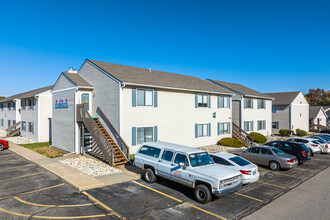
{"x":181,"y":164}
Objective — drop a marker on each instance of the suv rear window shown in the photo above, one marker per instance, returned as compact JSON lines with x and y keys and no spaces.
{"x":150,"y":151}
{"x":321,"y":141}
{"x":240,"y":161}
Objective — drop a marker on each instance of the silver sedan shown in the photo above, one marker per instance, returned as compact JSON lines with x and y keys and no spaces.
{"x":270,"y":156}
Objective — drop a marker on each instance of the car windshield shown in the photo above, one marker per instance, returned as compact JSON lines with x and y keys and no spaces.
{"x":325,"y":137}
{"x":200,"y":159}
{"x":321,"y":141}
{"x":240,"y":161}
{"x":278,"y":152}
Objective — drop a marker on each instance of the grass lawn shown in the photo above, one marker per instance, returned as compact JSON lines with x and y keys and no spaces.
{"x":45,"y":149}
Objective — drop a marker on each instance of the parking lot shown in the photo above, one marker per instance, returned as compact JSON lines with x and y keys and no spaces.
{"x":28,"y":191}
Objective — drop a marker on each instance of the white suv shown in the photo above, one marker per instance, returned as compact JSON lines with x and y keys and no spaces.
{"x":188,"y":166}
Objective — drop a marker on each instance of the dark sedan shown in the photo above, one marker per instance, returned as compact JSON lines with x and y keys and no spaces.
{"x":297,"y":149}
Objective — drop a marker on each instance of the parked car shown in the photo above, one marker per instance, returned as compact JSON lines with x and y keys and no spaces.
{"x":3,"y":145}
{"x":324,"y":137}
{"x":312,"y":144}
{"x":324,"y":143}
{"x":270,"y":156}
{"x":189,"y":166}
{"x":325,"y":131}
{"x":249,"y":170}
{"x":296,"y":149}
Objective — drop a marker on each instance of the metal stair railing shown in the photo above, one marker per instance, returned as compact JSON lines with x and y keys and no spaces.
{"x":123,"y":147}
{"x":96,"y":133}
{"x":243,"y":134}
{"x":14,"y":129}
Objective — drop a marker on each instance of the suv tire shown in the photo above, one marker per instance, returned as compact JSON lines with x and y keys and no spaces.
{"x":149,"y":176}
{"x":203,"y":194}
{"x":273,"y":165}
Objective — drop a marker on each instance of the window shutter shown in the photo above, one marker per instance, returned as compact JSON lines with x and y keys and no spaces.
{"x":244,"y":102}
{"x":133,"y":97}
{"x":229,"y":131}
{"x":196,"y":130}
{"x":155,"y":133}
{"x":265,"y":124}
{"x":258,"y":126}
{"x":196,"y":100}
{"x":155,"y":98}
{"x":252,"y":125}
{"x":209,"y":101}
{"x":252,"y":103}
{"x":218,"y":128}
{"x":209,"y":129}
{"x":228,"y":101}
{"x":133,"y":136}
{"x":218,"y":101}
{"x":245,"y":126}
{"x":265,"y":104}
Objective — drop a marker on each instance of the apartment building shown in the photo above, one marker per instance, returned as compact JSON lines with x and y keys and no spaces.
{"x":32,"y":109}
{"x":251,"y":109}
{"x":290,"y":111}
{"x":141,"y":105}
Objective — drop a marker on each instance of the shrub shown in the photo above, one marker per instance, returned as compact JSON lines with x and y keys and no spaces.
{"x":300,"y":132}
{"x":258,"y":138}
{"x":231,"y":142}
{"x":132,"y":157}
{"x":285,"y":132}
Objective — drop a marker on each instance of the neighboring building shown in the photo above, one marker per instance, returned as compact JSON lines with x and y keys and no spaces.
{"x":141,"y":105}
{"x":290,"y":111}
{"x":251,"y":109}
{"x":32,"y":109}
{"x":327,"y":111}
{"x":317,"y":116}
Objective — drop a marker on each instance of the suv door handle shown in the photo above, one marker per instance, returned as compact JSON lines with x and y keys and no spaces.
{"x":160,"y":161}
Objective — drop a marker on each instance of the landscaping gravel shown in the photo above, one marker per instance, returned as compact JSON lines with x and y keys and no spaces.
{"x":19,"y":140}
{"x":218,"y":148}
{"x":90,"y":166}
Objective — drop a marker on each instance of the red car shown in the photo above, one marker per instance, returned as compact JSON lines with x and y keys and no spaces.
{"x":3,"y":145}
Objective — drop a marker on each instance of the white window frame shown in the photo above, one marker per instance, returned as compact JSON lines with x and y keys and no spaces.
{"x":23,"y":126}
{"x":202,"y":103}
{"x":276,"y":123}
{"x":261,"y":104}
{"x":145,"y":97}
{"x":137,"y":133}
{"x":204,"y":128}
{"x":246,"y":103}
{"x":224,"y":128}
{"x":249,"y":127}
{"x":224,"y":101}
{"x":261,"y":125}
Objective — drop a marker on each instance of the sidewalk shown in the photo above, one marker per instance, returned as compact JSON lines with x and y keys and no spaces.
{"x":78,"y":180}
{"x":310,"y":200}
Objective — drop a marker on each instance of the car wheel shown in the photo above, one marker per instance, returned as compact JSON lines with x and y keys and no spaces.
{"x":274,"y":165}
{"x":2,"y":147}
{"x":203,"y":194}
{"x":149,"y":176}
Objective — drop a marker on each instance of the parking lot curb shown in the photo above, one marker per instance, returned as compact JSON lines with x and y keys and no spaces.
{"x":71,"y":176}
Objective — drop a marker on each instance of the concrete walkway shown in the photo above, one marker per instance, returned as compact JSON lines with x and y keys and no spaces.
{"x":80,"y":181}
{"x":310,"y":200}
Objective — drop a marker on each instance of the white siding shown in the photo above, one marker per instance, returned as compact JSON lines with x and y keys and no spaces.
{"x":175,"y":118}
{"x":300,"y":113}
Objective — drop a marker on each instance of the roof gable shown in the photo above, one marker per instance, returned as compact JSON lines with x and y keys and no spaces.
{"x":239,"y":89}
{"x":28,"y":94}
{"x":314,"y":111}
{"x":283,"y":98}
{"x":154,"y":78}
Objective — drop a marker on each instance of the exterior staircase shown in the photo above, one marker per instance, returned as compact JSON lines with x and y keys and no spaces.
{"x":241,"y":135}
{"x":119,"y":157}
{"x":14,"y":130}
{"x":107,"y":146}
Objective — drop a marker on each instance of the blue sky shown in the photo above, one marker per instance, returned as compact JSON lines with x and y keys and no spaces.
{"x":270,"y":46}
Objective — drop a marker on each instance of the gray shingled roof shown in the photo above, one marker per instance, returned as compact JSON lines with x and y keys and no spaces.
{"x":283,"y":98}
{"x":240,"y":89}
{"x":77,"y":79}
{"x":314,"y":111}
{"x":141,"y":76}
{"x":28,"y":94}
